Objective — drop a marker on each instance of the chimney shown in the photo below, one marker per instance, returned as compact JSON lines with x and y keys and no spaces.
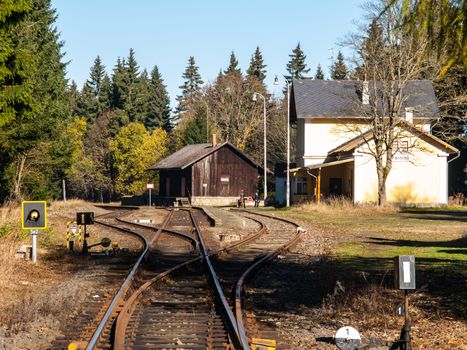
{"x":409,"y":114}
{"x":365,"y":93}
{"x":214,"y":140}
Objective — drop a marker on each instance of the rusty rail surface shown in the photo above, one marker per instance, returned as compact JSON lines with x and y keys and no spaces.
{"x":254,"y":268}
{"x":130,"y":305}
{"x":126,"y":284}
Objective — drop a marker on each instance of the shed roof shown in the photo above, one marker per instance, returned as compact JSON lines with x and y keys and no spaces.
{"x":191,"y":154}
{"x":342,"y":99}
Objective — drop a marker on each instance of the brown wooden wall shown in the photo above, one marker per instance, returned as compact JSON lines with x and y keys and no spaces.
{"x":222,"y":165}
{"x":171,"y":183}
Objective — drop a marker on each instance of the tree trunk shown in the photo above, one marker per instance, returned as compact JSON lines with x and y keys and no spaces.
{"x":381,"y":183}
{"x":19,"y":177}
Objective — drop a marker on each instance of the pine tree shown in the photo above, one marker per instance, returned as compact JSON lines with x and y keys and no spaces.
{"x":190,"y":88}
{"x":89,"y":104}
{"x":106,"y":93}
{"x":257,"y":66}
{"x":232,"y":68}
{"x":297,"y":66}
{"x":36,"y":116}
{"x":158,"y":114}
{"x":319,"y":73}
{"x":86,"y":105}
{"x":13,"y":64}
{"x":338,"y":69}
{"x":118,"y":83}
{"x":131,"y":87}
{"x":96,"y":76}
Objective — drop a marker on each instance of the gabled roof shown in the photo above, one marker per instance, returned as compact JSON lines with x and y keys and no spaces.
{"x":368,"y":135}
{"x":342,"y":99}
{"x":191,"y":154}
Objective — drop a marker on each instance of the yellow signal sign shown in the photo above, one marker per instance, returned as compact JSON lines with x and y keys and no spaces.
{"x":34,"y":215}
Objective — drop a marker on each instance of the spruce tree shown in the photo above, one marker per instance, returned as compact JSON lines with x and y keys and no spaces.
{"x":232,"y":68}
{"x":118,"y":83}
{"x":131,"y":88}
{"x":106,"y":93}
{"x":319,"y":73}
{"x":338,"y":69}
{"x":37,"y":101}
{"x":190,"y":88}
{"x":89,"y":104}
{"x":297,"y":66}
{"x":96,"y":76}
{"x":257,"y":66}
{"x":158,"y":113}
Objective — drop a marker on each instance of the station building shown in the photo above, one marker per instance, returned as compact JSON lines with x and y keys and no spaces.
{"x":207,"y":174}
{"x":333,"y":146}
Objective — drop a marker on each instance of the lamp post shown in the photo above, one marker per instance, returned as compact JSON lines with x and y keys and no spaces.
{"x":287,"y":198}
{"x":264,"y":141}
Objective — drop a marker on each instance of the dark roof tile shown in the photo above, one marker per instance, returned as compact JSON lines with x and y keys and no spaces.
{"x":342,"y":98}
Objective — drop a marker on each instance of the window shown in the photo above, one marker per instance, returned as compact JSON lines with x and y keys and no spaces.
{"x":401,"y":146}
{"x":301,"y":185}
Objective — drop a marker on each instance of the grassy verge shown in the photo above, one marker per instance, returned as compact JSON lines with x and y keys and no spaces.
{"x":356,"y":277}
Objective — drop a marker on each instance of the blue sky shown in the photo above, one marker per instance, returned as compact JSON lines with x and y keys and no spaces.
{"x":166,"y":33}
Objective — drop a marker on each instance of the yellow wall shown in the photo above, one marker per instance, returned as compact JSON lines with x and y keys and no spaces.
{"x":419,"y":178}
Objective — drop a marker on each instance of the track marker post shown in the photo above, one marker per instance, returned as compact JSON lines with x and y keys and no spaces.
{"x":404,"y":279}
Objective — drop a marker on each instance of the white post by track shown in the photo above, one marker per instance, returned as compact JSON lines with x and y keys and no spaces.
{"x":34,"y":234}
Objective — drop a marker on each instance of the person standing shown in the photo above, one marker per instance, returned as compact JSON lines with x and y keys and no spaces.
{"x":256,"y":198}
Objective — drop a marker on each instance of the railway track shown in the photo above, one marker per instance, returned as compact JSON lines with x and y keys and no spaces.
{"x":174,"y":297}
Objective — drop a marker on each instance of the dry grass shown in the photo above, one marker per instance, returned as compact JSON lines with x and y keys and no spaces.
{"x":25,"y":288}
{"x":352,"y":280}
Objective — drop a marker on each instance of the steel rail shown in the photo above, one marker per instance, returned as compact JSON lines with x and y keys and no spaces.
{"x":253,"y":268}
{"x":124,"y":316}
{"x":215,"y":280}
{"x":178,"y":234}
{"x":97,"y":334}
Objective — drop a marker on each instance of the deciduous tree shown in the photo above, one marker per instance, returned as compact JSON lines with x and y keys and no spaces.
{"x":134,"y":149}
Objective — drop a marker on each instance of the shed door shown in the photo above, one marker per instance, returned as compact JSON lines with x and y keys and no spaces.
{"x":182,"y":187}
{"x":225,"y":186}
{"x":167,"y":186}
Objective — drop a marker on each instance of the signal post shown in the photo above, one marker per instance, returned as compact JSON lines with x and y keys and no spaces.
{"x":34,"y":218}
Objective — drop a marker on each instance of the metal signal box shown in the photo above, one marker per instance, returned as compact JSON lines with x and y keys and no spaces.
{"x":404,"y":272}
{"x":34,"y":215}
{"x":85,"y":218}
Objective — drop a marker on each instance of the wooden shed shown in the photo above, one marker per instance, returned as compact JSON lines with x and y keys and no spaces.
{"x":208,"y":174}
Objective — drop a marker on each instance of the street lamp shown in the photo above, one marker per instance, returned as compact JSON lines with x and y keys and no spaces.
{"x":287,"y":198}
{"x":264,"y":140}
